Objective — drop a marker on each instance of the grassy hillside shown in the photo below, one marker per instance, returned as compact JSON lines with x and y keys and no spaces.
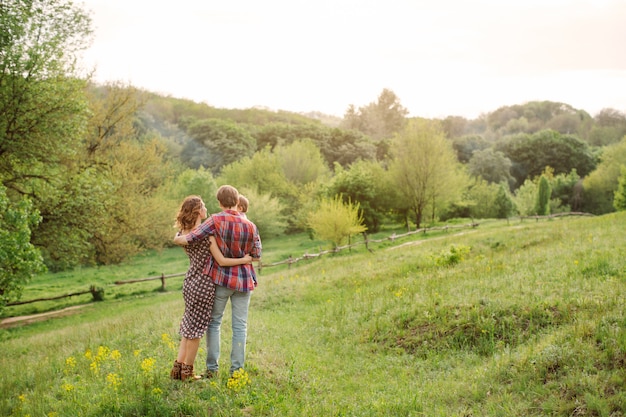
{"x":527,"y":319}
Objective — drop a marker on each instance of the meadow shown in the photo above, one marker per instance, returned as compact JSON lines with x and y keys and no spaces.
{"x":507,"y":319}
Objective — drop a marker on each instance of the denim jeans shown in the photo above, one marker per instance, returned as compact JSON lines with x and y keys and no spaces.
{"x":239,"y":302}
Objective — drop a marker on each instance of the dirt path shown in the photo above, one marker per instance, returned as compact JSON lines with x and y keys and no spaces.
{"x":22,"y":320}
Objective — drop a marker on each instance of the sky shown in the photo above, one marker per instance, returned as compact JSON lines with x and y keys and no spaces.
{"x":440,"y":57}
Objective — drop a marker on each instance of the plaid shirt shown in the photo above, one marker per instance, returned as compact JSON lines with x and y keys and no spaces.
{"x":236,"y":237}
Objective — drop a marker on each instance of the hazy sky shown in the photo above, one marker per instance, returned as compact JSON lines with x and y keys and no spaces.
{"x":440,"y":57}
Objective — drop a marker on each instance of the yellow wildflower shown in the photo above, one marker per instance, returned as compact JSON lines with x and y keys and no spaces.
{"x":238,"y":380}
{"x":115,"y":355}
{"x":67,"y":387}
{"x":114,"y":380}
{"x":147,"y":365}
{"x":95,"y":367}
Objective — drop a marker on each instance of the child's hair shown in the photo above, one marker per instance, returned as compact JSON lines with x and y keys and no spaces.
{"x":228,"y":196}
{"x":188,"y":212}
{"x":242,"y":206}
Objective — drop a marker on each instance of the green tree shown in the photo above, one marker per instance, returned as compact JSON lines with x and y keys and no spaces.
{"x":526,"y":198}
{"x":42,"y":106}
{"x":335,"y":221}
{"x":302,"y":162}
{"x":425,"y":169}
{"x":366,"y":183}
{"x":225,"y":141}
{"x":504,"y":206}
{"x":531,"y":154}
{"x":379,"y":119}
{"x":600,"y":185}
{"x":491,"y":165}
{"x":19,"y":259}
{"x":266,"y":212}
{"x":619,"y":202}
{"x":542,"y":207}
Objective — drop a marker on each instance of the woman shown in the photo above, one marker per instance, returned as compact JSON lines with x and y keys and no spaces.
{"x":198,"y":288}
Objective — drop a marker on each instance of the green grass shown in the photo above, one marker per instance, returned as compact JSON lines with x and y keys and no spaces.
{"x":527,"y":319}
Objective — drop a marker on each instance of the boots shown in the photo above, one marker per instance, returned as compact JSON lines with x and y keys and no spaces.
{"x":176,"y":369}
{"x":186,"y":373}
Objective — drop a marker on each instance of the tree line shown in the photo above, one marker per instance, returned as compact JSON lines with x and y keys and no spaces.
{"x":93,"y":174}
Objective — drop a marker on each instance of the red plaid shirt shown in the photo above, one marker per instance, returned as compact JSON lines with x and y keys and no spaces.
{"x":236,"y":236}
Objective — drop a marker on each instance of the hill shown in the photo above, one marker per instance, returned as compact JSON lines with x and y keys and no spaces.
{"x":519,"y":320}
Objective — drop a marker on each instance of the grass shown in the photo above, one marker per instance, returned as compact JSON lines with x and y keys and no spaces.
{"x":527,"y":319}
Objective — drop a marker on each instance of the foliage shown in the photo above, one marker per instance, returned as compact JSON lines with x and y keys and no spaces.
{"x":600,"y":185}
{"x":380,"y":119}
{"x":225,"y":142}
{"x":491,"y":165}
{"x":620,"y":194}
{"x":262,"y":172}
{"x":336,"y":221}
{"x":301,"y":162}
{"x":42,"y":108}
{"x":465,"y":146}
{"x":424,"y":168}
{"x":266,"y":212}
{"x":19,"y":259}
{"x":451,"y":256}
{"x":526,"y":198}
{"x":542,"y":205}
{"x":531,"y":154}
{"x":194,"y":182}
{"x":336,"y":145}
{"x":503,"y":204}
{"x":365,"y":183}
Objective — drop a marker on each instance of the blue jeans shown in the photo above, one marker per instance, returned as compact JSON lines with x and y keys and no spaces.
{"x":239,"y":302}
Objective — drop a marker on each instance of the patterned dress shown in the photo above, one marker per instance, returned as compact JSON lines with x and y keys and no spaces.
{"x":198,"y":292}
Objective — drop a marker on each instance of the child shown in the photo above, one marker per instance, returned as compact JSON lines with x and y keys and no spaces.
{"x":242,"y":206}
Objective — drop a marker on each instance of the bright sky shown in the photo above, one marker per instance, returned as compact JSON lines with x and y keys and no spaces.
{"x":440,"y":57}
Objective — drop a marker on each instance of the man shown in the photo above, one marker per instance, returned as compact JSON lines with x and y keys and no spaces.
{"x":236,"y":236}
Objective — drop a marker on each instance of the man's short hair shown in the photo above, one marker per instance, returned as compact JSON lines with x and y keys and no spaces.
{"x":228,"y":196}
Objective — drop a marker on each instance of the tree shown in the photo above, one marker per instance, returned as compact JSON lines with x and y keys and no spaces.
{"x":425,"y":168}
{"x":530,"y":154}
{"x":266,"y":212}
{"x":465,"y":146}
{"x":620,"y":194}
{"x":19,"y":259}
{"x":301,"y":162}
{"x":336,"y":221}
{"x":380,"y":119}
{"x":503,"y":203}
{"x":492,"y":166}
{"x":542,"y":207}
{"x":366,"y":183}
{"x":42,"y":105}
{"x":600,"y":185}
{"x":225,"y":141}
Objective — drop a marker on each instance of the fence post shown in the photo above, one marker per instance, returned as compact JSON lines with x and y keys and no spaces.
{"x":162,"y":282}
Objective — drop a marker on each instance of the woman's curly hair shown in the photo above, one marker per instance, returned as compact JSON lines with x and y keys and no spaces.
{"x":188,"y":213}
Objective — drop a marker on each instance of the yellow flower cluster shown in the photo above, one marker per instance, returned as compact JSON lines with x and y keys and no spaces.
{"x":147,"y":365}
{"x":239,"y":380}
{"x":114,"y":380}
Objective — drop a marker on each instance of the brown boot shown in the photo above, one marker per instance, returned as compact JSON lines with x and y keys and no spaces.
{"x":176,"y":369}
{"x":186,"y":373}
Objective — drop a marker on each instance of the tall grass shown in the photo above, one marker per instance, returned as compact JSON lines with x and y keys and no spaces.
{"x":520,"y":320}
